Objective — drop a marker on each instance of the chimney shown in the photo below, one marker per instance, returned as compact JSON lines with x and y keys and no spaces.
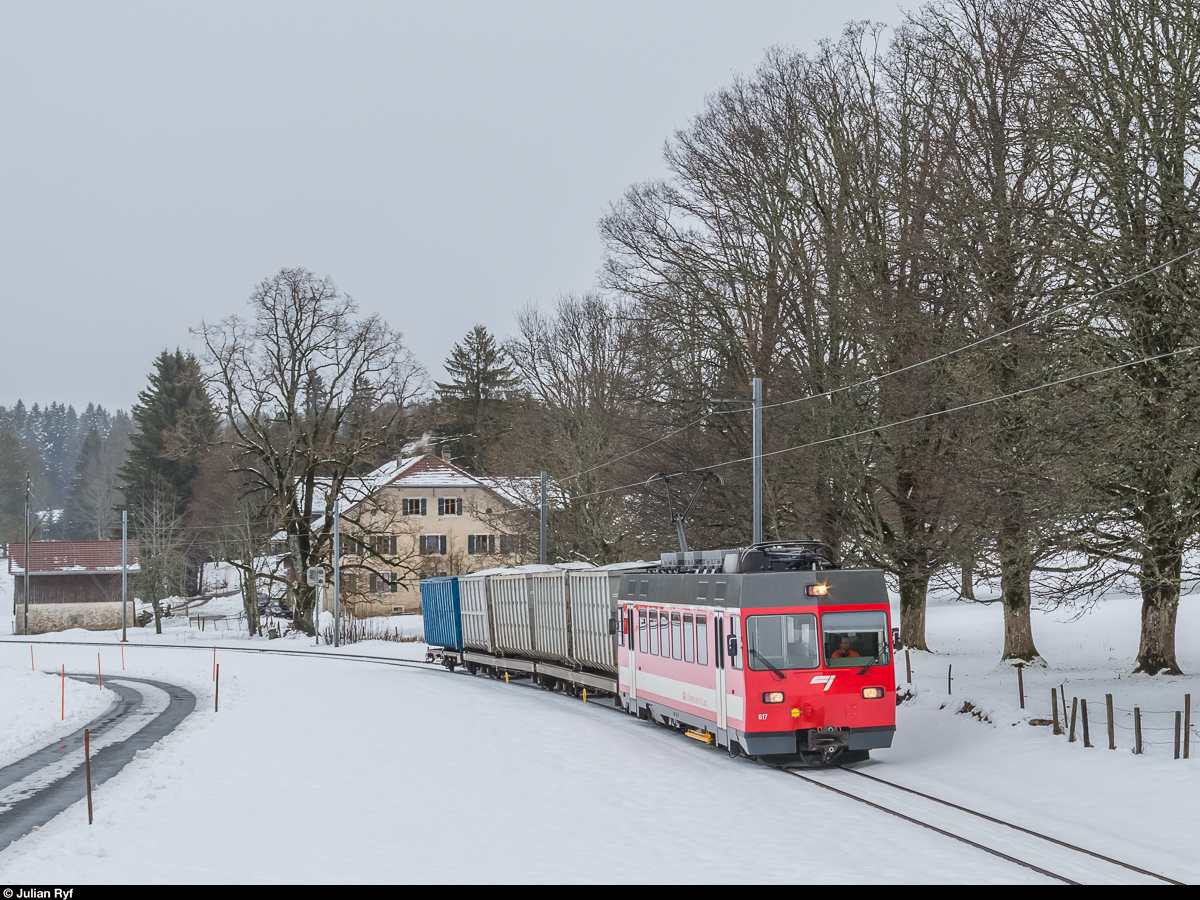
{"x":445,"y":456}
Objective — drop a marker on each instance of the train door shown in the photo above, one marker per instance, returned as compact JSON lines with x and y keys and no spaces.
{"x":718,"y":651}
{"x":631,"y":638}
{"x":735,"y":683}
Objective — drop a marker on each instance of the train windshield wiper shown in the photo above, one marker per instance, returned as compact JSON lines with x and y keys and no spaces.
{"x":782,"y":675}
{"x":875,"y":661}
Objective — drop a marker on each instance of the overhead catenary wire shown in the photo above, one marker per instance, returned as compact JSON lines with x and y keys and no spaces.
{"x":874,"y":379}
{"x":930,"y":415}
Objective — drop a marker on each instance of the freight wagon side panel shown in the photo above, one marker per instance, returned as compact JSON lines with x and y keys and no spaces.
{"x":592,"y":606}
{"x":440,"y":612}
{"x":476,"y":617}
{"x":512,"y":623}
{"x":551,"y":616}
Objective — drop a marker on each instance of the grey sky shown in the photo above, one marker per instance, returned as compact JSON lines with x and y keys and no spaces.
{"x":444,"y":162}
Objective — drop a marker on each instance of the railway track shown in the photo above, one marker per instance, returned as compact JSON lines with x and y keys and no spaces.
{"x":1056,"y":859}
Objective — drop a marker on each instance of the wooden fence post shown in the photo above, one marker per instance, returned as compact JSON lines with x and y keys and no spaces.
{"x":1087,"y":741}
{"x":1137,"y":730}
{"x":1074,"y":712}
{"x":949,"y":669}
{"x":1021,"y":684}
{"x":1187,"y":724}
{"x":1054,"y":707}
{"x":908,"y":665}
{"x":1112,"y":735}
{"x":1178,"y":722}
{"x":1062,"y":692}
{"x":87,"y":767}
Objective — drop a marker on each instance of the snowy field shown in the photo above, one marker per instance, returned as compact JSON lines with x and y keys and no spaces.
{"x":36,"y":708}
{"x":403,"y":775}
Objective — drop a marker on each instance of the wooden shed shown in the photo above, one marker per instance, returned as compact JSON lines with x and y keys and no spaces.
{"x":72,"y":584}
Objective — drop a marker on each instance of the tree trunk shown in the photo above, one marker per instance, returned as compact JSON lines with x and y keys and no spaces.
{"x":1018,"y":630}
{"x":157,"y":604}
{"x":968,"y":582}
{"x":914,"y":585}
{"x":1160,"y":581}
{"x":250,"y":601}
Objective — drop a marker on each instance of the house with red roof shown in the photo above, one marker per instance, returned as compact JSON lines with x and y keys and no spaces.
{"x":72,"y":584}
{"x":420,"y":516}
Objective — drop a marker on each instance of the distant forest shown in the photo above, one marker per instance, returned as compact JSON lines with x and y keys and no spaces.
{"x":72,"y":460}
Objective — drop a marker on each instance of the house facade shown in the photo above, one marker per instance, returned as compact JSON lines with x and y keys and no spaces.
{"x":72,"y":584}
{"x":423,"y":516}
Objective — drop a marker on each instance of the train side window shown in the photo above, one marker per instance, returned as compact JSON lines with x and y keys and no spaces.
{"x":689,"y":639}
{"x":735,"y":631}
{"x":702,"y":640}
{"x":664,"y":634}
{"x":654,"y":632}
{"x":676,"y":640}
{"x":642,"y":646}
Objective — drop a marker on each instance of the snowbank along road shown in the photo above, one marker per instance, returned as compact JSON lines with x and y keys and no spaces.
{"x":43,"y":784}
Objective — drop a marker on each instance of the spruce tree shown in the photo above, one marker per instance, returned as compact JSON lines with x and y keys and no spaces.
{"x":478,"y":400}
{"x":175,"y":424}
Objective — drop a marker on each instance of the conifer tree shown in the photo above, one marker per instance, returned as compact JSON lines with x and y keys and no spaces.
{"x":478,"y":400}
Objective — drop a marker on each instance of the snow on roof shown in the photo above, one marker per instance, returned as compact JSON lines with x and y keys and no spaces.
{"x":71,"y":557}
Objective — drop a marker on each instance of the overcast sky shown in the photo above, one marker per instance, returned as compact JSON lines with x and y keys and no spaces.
{"x":445,"y":163}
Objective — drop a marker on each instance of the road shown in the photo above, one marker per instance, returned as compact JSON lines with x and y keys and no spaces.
{"x":43,"y":784}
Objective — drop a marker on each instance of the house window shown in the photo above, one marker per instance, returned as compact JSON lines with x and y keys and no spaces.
{"x":450,"y":506}
{"x":481,"y":543}
{"x":433,"y":545}
{"x":384,"y":582}
{"x":414,"y":506}
{"x":384,"y":544}
{"x":349,"y":582}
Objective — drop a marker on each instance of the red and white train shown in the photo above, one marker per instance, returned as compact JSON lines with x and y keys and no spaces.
{"x":768,"y":650}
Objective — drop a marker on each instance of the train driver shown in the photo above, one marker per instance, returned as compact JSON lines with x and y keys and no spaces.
{"x":844,"y":651}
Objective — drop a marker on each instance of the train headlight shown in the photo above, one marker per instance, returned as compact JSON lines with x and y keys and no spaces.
{"x":817,"y":590}
{"x":872,"y":693}
{"x":773,"y":697}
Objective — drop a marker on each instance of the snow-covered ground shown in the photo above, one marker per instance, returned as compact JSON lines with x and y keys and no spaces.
{"x":396,"y":774}
{"x":37,"y":708}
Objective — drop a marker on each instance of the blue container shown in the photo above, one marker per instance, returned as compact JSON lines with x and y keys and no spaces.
{"x":441,"y":613}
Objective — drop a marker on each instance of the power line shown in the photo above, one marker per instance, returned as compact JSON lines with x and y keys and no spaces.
{"x":930,"y":415}
{"x":877,"y":378}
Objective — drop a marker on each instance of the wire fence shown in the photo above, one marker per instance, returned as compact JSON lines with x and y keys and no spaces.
{"x":1163,"y":733}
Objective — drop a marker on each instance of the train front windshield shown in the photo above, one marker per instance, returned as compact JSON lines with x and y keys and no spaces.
{"x":782,"y":642}
{"x":854,"y":639}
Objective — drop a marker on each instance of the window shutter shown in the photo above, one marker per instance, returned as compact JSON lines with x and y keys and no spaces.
{"x":443,"y":545}
{"x":441,"y":507}
{"x":470,"y":543}
{"x":422,"y":506}
{"x":373,"y":587}
{"x":458,"y":506}
{"x":491,"y":543}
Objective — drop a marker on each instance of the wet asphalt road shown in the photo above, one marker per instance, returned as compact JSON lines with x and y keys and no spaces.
{"x":37,"y":788}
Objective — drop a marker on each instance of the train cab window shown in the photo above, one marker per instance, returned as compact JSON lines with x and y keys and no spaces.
{"x":702,"y":640}
{"x":642,"y":645}
{"x":664,"y":634}
{"x":654,"y":632}
{"x":855,"y":639}
{"x":782,"y":642}
{"x":719,"y":593}
{"x":676,"y":639}
{"x":643,"y":588}
{"x":735,"y":630}
{"x":689,"y":638}
{"x":630,"y":587}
